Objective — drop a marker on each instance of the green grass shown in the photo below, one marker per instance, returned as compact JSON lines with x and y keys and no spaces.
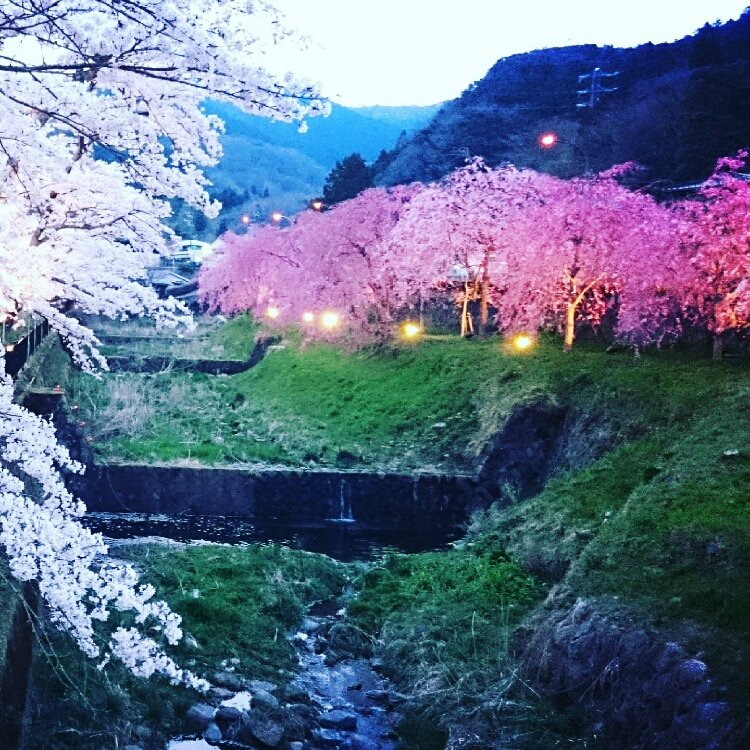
{"x":485,"y":585}
{"x":320,"y":406}
{"x":236,"y":603}
{"x":645,"y":507}
{"x":443,"y":625}
{"x":239,"y":601}
{"x":661,"y":524}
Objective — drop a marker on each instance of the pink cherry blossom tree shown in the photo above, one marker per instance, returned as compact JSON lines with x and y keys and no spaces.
{"x":715,"y":234}
{"x":468,"y":219}
{"x":580,"y":246}
{"x":341,"y":261}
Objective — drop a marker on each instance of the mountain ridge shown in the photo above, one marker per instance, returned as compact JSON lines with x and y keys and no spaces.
{"x":675,"y":108}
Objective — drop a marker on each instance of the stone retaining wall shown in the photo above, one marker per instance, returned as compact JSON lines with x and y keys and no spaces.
{"x":293,"y":496}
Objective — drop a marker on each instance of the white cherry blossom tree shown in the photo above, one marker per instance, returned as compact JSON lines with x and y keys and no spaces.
{"x":100,"y":127}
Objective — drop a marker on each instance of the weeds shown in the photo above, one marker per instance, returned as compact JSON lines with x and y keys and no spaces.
{"x":443,"y":623}
{"x":124,"y":410}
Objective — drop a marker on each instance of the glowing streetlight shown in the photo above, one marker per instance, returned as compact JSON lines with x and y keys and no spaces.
{"x":308,"y":317}
{"x":316,"y":205}
{"x":547,"y":140}
{"x":245,"y":219}
{"x":329,"y":319}
{"x":277,"y":217}
{"x":550,"y":140}
{"x":272,"y":312}
{"x":411,"y":330}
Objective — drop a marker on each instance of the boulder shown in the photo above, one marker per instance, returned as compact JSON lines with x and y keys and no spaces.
{"x":360,"y":742}
{"x":212,"y":734}
{"x":296,"y":694}
{"x":266,"y":730}
{"x":228,"y":680}
{"x":256,"y":685}
{"x":264,"y":699}
{"x":227,"y":714}
{"x":327,"y":737}
{"x":339,"y":719}
{"x":220,"y":693}
{"x":199,"y":716}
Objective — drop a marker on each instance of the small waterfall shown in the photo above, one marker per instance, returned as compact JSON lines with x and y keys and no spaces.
{"x":345,"y":503}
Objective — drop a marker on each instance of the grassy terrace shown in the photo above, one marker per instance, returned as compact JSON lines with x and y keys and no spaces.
{"x":650,"y":506}
{"x":209,"y":340}
{"x":426,"y":406}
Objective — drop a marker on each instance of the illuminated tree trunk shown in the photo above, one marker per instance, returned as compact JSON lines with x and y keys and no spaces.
{"x":571,"y":309}
{"x":467,"y":326}
{"x":570,"y":324}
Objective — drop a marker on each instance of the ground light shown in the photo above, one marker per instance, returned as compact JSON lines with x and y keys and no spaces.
{"x":522,"y":342}
{"x":329,"y":319}
{"x":272,"y":312}
{"x":411,"y":330}
{"x":308,"y":317}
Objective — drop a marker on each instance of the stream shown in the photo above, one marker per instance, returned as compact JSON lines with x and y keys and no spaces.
{"x":343,"y":703}
{"x":340,"y":538}
{"x":337,"y":696}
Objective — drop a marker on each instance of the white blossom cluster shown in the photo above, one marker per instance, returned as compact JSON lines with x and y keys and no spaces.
{"x":100,"y":127}
{"x":144,"y":657}
{"x":45,"y":542}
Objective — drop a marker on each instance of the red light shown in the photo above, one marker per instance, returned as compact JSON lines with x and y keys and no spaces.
{"x":547,"y":140}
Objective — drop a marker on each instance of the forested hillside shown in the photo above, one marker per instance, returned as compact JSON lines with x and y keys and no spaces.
{"x":271,"y":166}
{"x":674,"y":108}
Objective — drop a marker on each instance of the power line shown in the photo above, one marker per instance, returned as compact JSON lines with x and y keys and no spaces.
{"x":595,"y":89}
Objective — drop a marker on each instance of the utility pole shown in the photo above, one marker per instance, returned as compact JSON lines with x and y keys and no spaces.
{"x":595,"y":89}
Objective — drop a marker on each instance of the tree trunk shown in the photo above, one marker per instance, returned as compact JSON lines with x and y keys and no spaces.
{"x":718,"y":348}
{"x":570,"y":324}
{"x":465,"y":312}
{"x":484,"y":307}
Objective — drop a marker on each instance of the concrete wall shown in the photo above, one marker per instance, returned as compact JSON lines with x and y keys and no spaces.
{"x":377,"y":500}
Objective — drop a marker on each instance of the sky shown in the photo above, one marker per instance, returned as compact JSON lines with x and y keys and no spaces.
{"x":399,"y":52}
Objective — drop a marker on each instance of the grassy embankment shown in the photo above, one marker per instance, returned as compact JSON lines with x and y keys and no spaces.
{"x":664,"y":501}
{"x":210,"y":339}
{"x":651,"y":508}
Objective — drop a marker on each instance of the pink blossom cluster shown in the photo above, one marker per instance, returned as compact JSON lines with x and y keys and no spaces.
{"x":545,"y":252}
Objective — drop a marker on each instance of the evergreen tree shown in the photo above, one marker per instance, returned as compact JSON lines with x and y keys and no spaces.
{"x":347,"y":179}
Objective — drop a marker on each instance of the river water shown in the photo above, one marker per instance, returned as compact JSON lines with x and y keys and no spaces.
{"x":340,"y":538}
